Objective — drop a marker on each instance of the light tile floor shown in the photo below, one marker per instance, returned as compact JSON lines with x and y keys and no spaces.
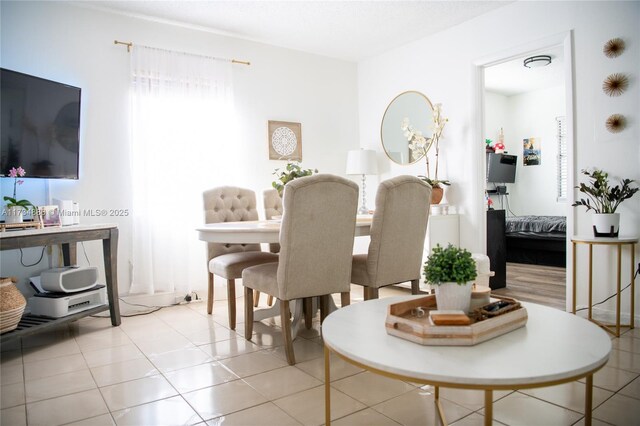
{"x":181,"y":366}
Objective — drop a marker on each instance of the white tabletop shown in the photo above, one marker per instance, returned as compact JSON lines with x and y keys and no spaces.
{"x":604,"y":240}
{"x":261,"y":231}
{"x":553,"y":346}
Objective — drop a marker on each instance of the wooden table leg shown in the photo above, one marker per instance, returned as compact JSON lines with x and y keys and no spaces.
{"x":588,"y":400}
{"x":110,"y":253}
{"x":327,"y":386}
{"x":488,"y":407}
{"x":70,"y":254}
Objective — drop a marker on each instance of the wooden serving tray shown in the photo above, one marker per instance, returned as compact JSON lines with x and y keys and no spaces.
{"x":401,"y":323}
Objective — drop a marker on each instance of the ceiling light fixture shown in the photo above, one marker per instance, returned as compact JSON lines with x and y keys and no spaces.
{"x":537,"y":61}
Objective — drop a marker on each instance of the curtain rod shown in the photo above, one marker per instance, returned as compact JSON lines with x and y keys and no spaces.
{"x":233,"y":61}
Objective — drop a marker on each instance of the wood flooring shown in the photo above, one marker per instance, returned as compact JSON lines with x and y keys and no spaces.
{"x":544,"y":285}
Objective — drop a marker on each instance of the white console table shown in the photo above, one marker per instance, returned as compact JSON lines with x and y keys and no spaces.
{"x":68,"y":237}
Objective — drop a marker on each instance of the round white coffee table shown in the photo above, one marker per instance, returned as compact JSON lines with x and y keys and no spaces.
{"x":554,"y":347}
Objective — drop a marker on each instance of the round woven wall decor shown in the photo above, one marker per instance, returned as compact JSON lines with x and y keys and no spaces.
{"x":613,"y":48}
{"x":615,"y":84}
{"x":616,"y":123}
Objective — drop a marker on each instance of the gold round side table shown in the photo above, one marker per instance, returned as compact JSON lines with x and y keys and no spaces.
{"x":618,"y":242}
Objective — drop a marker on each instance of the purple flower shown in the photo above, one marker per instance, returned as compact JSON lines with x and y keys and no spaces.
{"x":13,"y":172}
{"x":20,"y":171}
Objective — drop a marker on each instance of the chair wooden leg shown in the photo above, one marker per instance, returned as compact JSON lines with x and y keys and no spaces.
{"x":270,"y":300}
{"x":285,"y":317}
{"x":256,"y":301}
{"x":365,"y":293}
{"x":308,"y":312}
{"x":210,"y":294}
{"x":374,"y":292}
{"x":415,"y":286}
{"x":231,"y":299}
{"x":324,"y":307}
{"x":248,"y":313}
{"x":345,"y":298}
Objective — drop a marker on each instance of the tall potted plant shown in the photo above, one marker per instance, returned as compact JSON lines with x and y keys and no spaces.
{"x":604,"y":199}
{"x":419,"y":146}
{"x":452,"y":270}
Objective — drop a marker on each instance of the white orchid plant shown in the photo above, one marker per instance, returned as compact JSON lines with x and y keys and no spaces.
{"x":420,"y":145}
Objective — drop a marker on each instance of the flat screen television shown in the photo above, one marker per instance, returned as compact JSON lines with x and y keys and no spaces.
{"x":501,"y":168}
{"x":39,"y":127}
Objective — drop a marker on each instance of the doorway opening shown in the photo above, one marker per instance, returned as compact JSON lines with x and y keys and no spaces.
{"x":527,"y":110}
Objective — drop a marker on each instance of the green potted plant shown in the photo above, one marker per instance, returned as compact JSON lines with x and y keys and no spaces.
{"x":452,"y":271}
{"x":604,"y":199}
{"x":291,"y":171}
{"x":15,"y":209}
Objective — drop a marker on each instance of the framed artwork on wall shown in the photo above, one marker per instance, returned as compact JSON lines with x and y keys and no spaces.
{"x":531,"y":152}
{"x":285,"y":141}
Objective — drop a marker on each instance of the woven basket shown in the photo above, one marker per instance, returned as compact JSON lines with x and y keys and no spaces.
{"x":12,"y":304}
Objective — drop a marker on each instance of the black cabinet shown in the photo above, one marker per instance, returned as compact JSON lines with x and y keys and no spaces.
{"x":497,"y":248}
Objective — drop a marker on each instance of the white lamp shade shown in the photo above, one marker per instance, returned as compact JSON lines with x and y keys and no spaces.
{"x":362,"y":162}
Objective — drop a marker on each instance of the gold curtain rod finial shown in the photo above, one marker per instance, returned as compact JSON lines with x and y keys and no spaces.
{"x":235,"y":61}
{"x":129,"y":45}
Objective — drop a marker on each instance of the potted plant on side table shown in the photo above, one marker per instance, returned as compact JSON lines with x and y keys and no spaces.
{"x":452,"y":270}
{"x":604,"y":200}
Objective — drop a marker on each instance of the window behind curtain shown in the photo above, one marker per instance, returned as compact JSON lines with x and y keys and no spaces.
{"x":181,"y":144}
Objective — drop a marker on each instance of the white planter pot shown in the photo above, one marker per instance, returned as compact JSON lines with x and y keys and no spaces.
{"x":14,"y":214}
{"x":603,"y":223}
{"x":453,"y":296}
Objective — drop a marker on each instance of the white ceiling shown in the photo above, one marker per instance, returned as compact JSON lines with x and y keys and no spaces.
{"x":512,"y":77}
{"x":349,"y":30}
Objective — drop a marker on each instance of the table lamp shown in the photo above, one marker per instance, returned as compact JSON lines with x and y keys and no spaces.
{"x":362,"y":162}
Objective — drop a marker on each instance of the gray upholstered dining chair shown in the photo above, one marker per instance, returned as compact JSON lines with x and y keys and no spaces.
{"x":231,"y":204}
{"x":397,"y":237}
{"x":316,"y":241}
{"x":272,"y":202}
{"x":272,"y":207}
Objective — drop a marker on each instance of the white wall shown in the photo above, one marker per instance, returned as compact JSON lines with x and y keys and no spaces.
{"x":442,"y":67}
{"x":75,"y":45}
{"x":495,"y":107}
{"x":533,"y":114}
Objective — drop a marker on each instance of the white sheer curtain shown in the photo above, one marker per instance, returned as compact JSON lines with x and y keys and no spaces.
{"x":182,"y":117}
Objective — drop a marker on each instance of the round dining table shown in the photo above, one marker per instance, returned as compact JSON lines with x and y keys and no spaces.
{"x":259,"y":231}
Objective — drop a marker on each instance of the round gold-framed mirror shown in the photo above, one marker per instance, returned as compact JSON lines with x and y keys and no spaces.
{"x":405,"y":130}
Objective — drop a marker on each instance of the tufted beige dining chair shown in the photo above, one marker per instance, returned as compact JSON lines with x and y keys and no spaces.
{"x":272,"y":207}
{"x":316,"y":245}
{"x":397,"y":237}
{"x":272,"y":202}
{"x":231,"y":204}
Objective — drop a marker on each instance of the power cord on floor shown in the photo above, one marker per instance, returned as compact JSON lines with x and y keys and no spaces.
{"x":187,"y":298}
{"x":614,"y":294}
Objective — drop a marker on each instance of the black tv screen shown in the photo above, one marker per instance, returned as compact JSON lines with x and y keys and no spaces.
{"x":40,"y":126}
{"x":501,"y":168}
